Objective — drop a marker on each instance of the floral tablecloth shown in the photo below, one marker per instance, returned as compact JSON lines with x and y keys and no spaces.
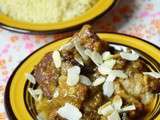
{"x":140,"y":18}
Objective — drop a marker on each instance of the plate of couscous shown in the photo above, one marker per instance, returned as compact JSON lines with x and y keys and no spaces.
{"x":49,"y":15}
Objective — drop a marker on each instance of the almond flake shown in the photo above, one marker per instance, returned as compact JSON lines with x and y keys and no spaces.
{"x":129,"y":56}
{"x":30,"y":77}
{"x":56,"y":93}
{"x":106,"y":67}
{"x":114,"y":116}
{"x":73,"y":75}
{"x":152,"y":74}
{"x":80,"y":49}
{"x":85,"y":80}
{"x":107,"y":55}
{"x":103,"y":70}
{"x":119,"y":47}
{"x":108,"y":88}
{"x":119,"y":73}
{"x":117,"y":102}
{"x":79,"y":60}
{"x":36,"y":94}
{"x":56,"y":59}
{"x":111,"y":77}
{"x":106,"y":109}
{"x":94,"y":56}
{"x":69,"y":112}
{"x":128,"y":108}
{"x":99,"y":81}
{"x":67,"y":46}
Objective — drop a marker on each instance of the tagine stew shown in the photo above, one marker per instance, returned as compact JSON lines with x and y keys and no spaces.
{"x":88,"y":79}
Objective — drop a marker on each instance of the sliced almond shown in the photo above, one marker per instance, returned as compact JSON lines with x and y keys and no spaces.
{"x":80,"y":49}
{"x":103,"y":69}
{"x":108,"y":88}
{"x":36,"y":94}
{"x":94,"y":56}
{"x":73,"y":75}
{"x":110,"y":63}
{"x":30,"y":77}
{"x":99,"y":81}
{"x":152,"y":74}
{"x":119,"y":73}
{"x":117,"y":102}
{"x":106,"y":109}
{"x":128,"y":108}
{"x":107,"y":55}
{"x":85,"y":80}
{"x":114,"y":116}
{"x":67,"y":46}
{"x":129,"y":56}
{"x":111,"y":77}
{"x":57,"y":59}
{"x":69,"y":112}
{"x":79,"y":60}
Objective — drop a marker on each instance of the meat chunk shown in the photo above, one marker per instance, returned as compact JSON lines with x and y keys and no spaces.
{"x":90,"y":40}
{"x":46,"y":75}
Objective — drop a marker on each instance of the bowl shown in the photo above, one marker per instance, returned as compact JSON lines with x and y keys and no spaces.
{"x":20,"y":105}
{"x":100,"y":7}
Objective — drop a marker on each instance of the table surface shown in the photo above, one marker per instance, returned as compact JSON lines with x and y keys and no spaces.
{"x":140,"y":18}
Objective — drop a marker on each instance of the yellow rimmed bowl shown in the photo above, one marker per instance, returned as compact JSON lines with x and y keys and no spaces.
{"x":100,"y":7}
{"x":20,"y":105}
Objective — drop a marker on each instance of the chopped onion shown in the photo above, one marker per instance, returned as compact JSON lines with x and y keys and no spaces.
{"x":30,"y":77}
{"x":57,"y":59}
{"x":73,"y":75}
{"x":152,"y":74}
{"x":85,"y":80}
{"x":69,"y":112}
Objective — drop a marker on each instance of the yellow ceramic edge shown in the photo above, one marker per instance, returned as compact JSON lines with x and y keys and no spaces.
{"x":99,"y":8}
{"x":18,"y":81}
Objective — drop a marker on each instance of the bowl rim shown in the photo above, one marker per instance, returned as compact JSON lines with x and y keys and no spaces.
{"x":7,"y":103}
{"x":101,"y":7}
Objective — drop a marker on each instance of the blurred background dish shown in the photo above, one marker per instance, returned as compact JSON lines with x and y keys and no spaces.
{"x":28,"y":24}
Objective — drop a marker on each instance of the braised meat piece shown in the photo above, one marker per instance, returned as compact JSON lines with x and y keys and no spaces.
{"x":46,"y":75}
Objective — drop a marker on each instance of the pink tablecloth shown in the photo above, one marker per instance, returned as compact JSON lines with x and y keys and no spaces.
{"x":140,"y":18}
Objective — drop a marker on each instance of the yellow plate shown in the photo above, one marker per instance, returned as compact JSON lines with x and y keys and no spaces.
{"x":96,"y":10}
{"x":20,"y":106}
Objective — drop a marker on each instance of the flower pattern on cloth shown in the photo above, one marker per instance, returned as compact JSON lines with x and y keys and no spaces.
{"x":140,"y":18}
